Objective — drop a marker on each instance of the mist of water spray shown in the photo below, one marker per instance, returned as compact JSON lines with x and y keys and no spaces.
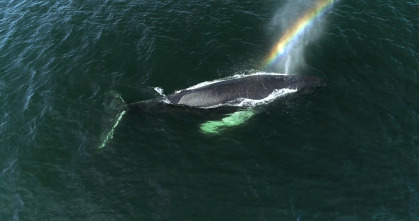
{"x":297,"y":23}
{"x":287,"y":65}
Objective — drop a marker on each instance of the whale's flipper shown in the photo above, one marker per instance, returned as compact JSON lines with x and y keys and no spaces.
{"x":234,"y":119}
{"x":109,"y":135}
{"x":115,"y":106}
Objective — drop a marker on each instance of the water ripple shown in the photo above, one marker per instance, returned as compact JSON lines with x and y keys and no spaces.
{"x":349,"y":144}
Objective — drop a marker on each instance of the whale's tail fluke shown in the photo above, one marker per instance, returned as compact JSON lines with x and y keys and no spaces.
{"x":115,"y":109}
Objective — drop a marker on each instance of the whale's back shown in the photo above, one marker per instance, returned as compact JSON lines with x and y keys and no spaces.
{"x":254,"y":87}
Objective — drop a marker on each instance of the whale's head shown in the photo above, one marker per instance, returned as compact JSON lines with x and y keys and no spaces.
{"x":304,"y":83}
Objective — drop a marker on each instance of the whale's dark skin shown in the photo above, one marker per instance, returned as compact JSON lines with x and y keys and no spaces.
{"x":253,"y":87}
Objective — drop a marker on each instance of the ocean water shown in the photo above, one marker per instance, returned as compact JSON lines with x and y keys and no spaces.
{"x":348,"y":151}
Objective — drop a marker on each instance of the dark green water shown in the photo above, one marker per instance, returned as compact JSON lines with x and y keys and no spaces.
{"x":349,"y":151}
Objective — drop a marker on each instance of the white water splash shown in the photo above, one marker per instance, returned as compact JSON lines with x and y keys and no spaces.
{"x":159,"y":90}
{"x":205,"y":83}
{"x":249,"y":103}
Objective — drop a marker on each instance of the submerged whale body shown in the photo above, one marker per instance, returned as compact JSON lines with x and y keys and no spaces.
{"x":226,"y":92}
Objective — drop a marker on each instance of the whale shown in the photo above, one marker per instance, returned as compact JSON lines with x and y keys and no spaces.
{"x":238,"y":96}
{"x":230,"y":92}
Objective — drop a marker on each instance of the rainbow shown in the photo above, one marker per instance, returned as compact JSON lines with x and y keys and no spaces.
{"x":292,"y":35}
